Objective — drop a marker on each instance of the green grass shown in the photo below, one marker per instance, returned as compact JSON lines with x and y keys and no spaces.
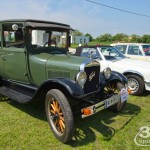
{"x":24,"y":127}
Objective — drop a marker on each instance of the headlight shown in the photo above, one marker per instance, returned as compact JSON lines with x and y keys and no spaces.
{"x":107,"y":73}
{"x":81,"y":78}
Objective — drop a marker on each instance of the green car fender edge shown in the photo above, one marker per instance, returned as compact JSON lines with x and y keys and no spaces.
{"x":69,"y":87}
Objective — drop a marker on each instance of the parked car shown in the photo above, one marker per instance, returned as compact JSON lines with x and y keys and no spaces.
{"x":137,"y":72}
{"x":140,"y":51}
{"x":35,"y":65}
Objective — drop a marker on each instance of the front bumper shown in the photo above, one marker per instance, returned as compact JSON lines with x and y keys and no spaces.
{"x":147,"y":86}
{"x":93,"y":109}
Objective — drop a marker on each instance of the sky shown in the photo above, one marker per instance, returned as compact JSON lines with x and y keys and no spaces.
{"x":82,"y":15}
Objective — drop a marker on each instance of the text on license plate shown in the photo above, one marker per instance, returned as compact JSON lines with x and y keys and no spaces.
{"x":112,"y":100}
{"x":124,"y":95}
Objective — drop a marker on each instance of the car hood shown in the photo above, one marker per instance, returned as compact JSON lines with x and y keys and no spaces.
{"x":130,"y":63}
{"x":63,"y":66}
{"x":65,"y":61}
{"x":127,"y":64}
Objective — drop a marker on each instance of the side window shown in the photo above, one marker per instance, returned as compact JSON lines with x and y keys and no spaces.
{"x":122,"y":48}
{"x":12,"y":38}
{"x":134,"y":50}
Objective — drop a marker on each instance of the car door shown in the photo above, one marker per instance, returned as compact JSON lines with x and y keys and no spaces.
{"x":13,"y":54}
{"x":134,"y":52}
{"x":145,"y":48}
{"x":148,"y":58}
{"x":1,"y":61}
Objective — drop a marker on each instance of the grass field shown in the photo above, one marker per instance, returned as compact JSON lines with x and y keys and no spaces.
{"x":24,"y":127}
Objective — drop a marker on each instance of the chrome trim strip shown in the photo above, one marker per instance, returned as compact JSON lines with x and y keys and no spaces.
{"x":86,"y":62}
{"x":82,"y":67}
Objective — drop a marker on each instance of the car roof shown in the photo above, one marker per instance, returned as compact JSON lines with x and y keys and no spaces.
{"x":38,"y":23}
{"x":129,"y":44}
{"x":98,"y":45}
{"x":31,"y":20}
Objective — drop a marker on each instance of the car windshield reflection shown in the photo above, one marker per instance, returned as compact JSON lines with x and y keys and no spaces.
{"x":90,"y":52}
{"x":112,"y":53}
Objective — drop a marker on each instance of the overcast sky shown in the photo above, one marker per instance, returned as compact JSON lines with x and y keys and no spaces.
{"x":83,"y":15}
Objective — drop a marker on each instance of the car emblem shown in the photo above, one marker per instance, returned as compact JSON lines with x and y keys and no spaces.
{"x":91,"y":76}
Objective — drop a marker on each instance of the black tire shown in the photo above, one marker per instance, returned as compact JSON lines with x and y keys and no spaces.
{"x":116,"y":88}
{"x":136,"y":84}
{"x":59,"y":115}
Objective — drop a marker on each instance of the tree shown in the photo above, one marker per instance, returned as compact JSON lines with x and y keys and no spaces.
{"x":77,"y":33}
{"x":135,"y":38}
{"x":90,"y":36}
{"x":146,"y":38}
{"x":119,"y":37}
{"x":105,"y":37}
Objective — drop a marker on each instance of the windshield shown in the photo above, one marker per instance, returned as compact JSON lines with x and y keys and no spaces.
{"x":122,"y":48}
{"x":111,"y":53}
{"x":146,"y":49}
{"x":47,"y":40}
{"x":90,"y":52}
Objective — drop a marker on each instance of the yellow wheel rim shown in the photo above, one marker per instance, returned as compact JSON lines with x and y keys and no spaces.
{"x":57,"y":116}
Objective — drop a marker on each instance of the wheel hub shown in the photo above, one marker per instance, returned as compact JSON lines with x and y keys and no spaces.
{"x":133,"y":84}
{"x":56,"y":116}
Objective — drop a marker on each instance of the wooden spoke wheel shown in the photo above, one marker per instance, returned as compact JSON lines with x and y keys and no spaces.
{"x":115,"y":88}
{"x":111,"y":88}
{"x":59,"y":115}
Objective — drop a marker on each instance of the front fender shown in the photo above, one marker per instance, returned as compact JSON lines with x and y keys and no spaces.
{"x":114,"y":76}
{"x":118,"y":76}
{"x":67,"y":86}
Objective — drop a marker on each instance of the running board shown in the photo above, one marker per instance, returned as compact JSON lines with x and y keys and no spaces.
{"x":15,"y":95}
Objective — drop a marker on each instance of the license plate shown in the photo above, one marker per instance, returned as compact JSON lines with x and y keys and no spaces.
{"x":124,"y":95}
{"x":112,"y":100}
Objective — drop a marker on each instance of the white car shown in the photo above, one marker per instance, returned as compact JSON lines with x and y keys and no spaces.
{"x":140,"y":51}
{"x":137,"y":72}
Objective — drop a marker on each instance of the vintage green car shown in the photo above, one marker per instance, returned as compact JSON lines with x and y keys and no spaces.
{"x":35,"y":64}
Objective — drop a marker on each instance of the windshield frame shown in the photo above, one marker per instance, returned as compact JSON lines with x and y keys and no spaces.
{"x":63,"y":47}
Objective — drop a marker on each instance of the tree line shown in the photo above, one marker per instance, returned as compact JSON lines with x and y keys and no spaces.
{"x":119,"y":37}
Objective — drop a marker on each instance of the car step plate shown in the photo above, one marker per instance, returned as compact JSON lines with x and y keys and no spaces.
{"x":15,"y":95}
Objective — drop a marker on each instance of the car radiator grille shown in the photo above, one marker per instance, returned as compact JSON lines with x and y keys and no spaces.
{"x":92,"y":83}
